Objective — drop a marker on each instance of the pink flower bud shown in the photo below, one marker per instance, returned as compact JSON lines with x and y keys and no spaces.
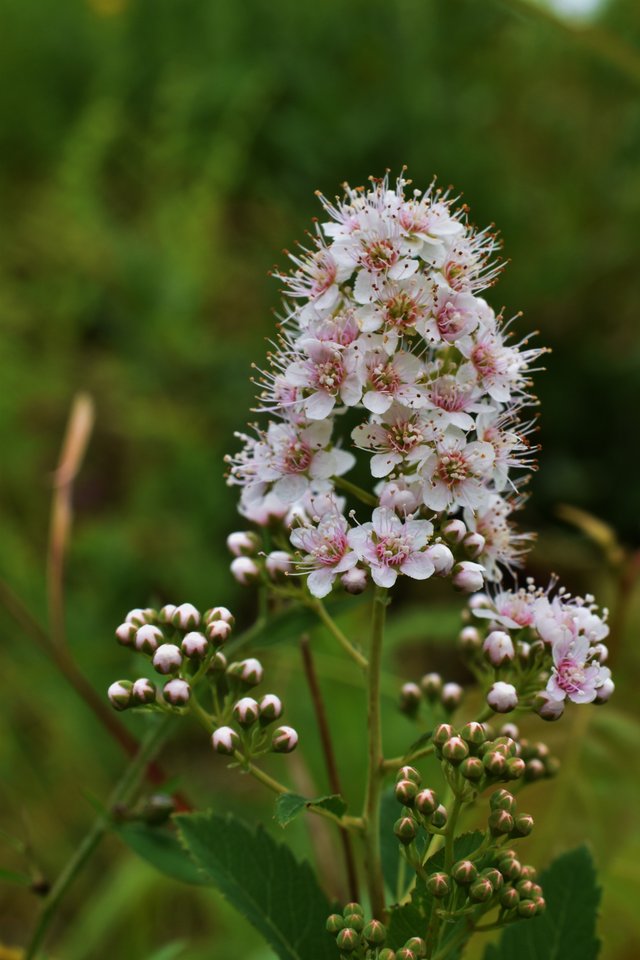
{"x":167,"y":612}
{"x":498,"y":648}
{"x":195,"y":645}
{"x":219,"y":613}
{"x":502,"y":697}
{"x":431,"y":685}
{"x":243,"y":543}
{"x":246,"y":711}
{"x":454,"y":530}
{"x":474,"y":544}
{"x":144,"y":691}
{"x":250,"y":671}
{"x":451,"y":696}
{"x":186,"y":616}
{"x":218,"y":631}
{"x":218,"y":664}
{"x":354,"y":581}
{"x":167,"y":658}
{"x":119,"y":694}
{"x":600,"y":652}
{"x":469,"y":639}
{"x":546,"y":707}
{"x":441,"y":557}
{"x":284,"y":740}
{"x":278,"y":562}
{"x":139,"y":617}
{"x":245,"y":570}
{"x":125,"y":634}
{"x":270,"y":708}
{"x":604,"y":691}
{"x":148,"y":639}
{"x":468,"y":577}
{"x":479,"y":602}
{"x":177,"y":692}
{"x":225,"y":740}
{"x":410,"y":699}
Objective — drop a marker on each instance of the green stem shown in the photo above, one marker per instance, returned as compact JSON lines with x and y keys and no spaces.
{"x":394,"y":763}
{"x":371,"y":815}
{"x":355,"y":491}
{"x":335,"y":630}
{"x":450,"y":834}
{"x":122,"y":794}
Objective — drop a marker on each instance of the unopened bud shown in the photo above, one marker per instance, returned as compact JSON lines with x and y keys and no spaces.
{"x":426,"y":802}
{"x":166,"y":613}
{"x":246,"y":711}
{"x":219,"y":613}
{"x":451,"y":696}
{"x":494,"y":877}
{"x":119,"y":694}
{"x":455,"y":750}
{"x":494,"y":763}
{"x":473,"y":733}
{"x":503,"y":800}
{"x":250,"y":671}
{"x":547,"y":707}
{"x":438,"y":885}
{"x":354,"y":581}
{"x":126,"y":634}
{"x":534,"y":769}
{"x":408,"y":773}
{"x":218,"y":663}
{"x":464,"y":872}
{"x":527,"y":909}
{"x":509,"y":898}
{"x":522,"y":825}
{"x":195,"y":645}
{"x":140,"y":616}
{"x":374,"y":933}
{"x":245,"y":570}
{"x":348,"y":940}
{"x":502,"y":697}
{"x":604,"y":691}
{"x":472,"y":769}
{"x":441,"y":558}
{"x":387,"y":954}
{"x":355,"y":921}
{"x":509,"y":730}
{"x":474,"y":544}
{"x":143,"y":691}
{"x":469,"y":639}
{"x":186,"y":616}
{"x":335,"y":923}
{"x":406,"y":792}
{"x":468,"y":577}
{"x":439,"y":817}
{"x":523,"y":651}
{"x":481,"y":890}
{"x":406,"y":830}
{"x":225,"y":740}
{"x":177,"y":692}
{"x":431,"y":685}
{"x":498,"y":648}
{"x":405,"y":953}
{"x":218,"y":631}
{"x":270,"y":709}
{"x":284,"y":740}
{"x":515,"y":768}
{"x":510,"y":868}
{"x":442,"y":733}
{"x":524,"y":887}
{"x":278,"y":563}
{"x":410,"y":698}
{"x":417,"y":945}
{"x":167,"y":658}
{"x":529,"y":872}
{"x":353,"y":907}
{"x":506,"y":746}
{"x":500,"y":823}
{"x":243,"y":543}
{"x":454,"y":531}
{"x":148,"y":639}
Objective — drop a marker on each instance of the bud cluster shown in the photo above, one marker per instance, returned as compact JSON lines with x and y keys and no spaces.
{"x":422,"y":809}
{"x":358,"y":939}
{"x":433,"y":691}
{"x":250,"y":566}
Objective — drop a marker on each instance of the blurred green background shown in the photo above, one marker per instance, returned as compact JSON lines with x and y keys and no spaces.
{"x":155,"y":158}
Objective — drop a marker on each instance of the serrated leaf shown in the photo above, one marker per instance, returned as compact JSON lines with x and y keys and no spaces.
{"x":567,"y":929}
{"x":289,"y":805}
{"x":261,"y":878}
{"x":161,"y":847}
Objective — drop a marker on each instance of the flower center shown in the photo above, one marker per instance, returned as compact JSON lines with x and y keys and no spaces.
{"x":570,"y":676}
{"x":403,"y":437}
{"x":379,"y":255}
{"x":401,"y":311}
{"x":453,"y":468}
{"x":447,"y":394}
{"x":298,"y":457}
{"x":328,"y":376}
{"x":330,"y":552}
{"x":391,"y":551}
{"x":451,"y":321}
{"x":384,"y":378}
{"x":484,"y":360}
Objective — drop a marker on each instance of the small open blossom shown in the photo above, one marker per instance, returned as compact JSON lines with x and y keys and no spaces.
{"x":392,"y":379}
{"x":455,"y":473}
{"x":575,"y":674}
{"x":326,"y":549}
{"x":401,"y":437}
{"x":390,"y":546}
{"x":327,"y":375}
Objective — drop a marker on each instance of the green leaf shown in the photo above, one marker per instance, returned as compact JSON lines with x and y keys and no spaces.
{"x":169,"y":952}
{"x":262,"y":880}
{"x":161,"y":847}
{"x":567,"y":929}
{"x":289,"y":805}
{"x":11,"y":876}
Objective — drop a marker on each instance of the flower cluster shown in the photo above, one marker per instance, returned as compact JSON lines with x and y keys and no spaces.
{"x":384,"y":319}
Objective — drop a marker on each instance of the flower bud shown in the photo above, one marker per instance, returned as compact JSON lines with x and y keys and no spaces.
{"x":406,"y":830}
{"x":243,"y":543}
{"x":509,"y":898}
{"x":524,"y":887}
{"x":472,"y":769}
{"x":177,"y":692}
{"x":474,"y":544}
{"x":451,"y":696}
{"x":494,"y":763}
{"x":148,"y":638}
{"x":246,"y":712}
{"x":500,"y":823}
{"x":464,"y":872}
{"x":195,"y":645}
{"x":473,"y":733}
{"x":529,"y":872}
{"x":426,"y":802}
{"x":541,"y":905}
{"x":119,"y":694}
{"x":510,"y":868}
{"x":250,"y":671}
{"x":441,"y":558}
{"x":502,"y":697}
{"x":186,"y":617}
{"x":166,"y":613}
{"x":522,"y":825}
{"x":270,"y":709}
{"x":442,"y":733}
{"x":523,"y":651}
{"x":410,"y":698}
{"x":218,"y":663}
{"x":503,"y":800}
{"x":405,"y":953}
{"x":353,"y":907}
{"x":387,"y":954}
{"x":218,"y":631}
{"x":139,"y":616}
{"x":225,"y":740}
{"x":219,"y":613}
{"x":438,"y":885}
{"x":417,"y":945}
{"x":455,"y":750}
{"x":506,"y":746}
{"x":604,"y":691}
{"x":498,"y":648}
{"x":431,"y":685}
{"x":355,"y":921}
{"x":354,"y":581}
{"x":534,"y":769}
{"x":439,"y":817}
{"x":481,"y":890}
{"x":284,"y":740}
{"x":126,"y":633}
{"x":277,"y":564}
{"x":469,"y":639}
{"x":454,"y":531}
{"x":374,"y":933}
{"x":335,"y":923}
{"x":510,"y":731}
{"x":468,"y":577}
{"x":167,"y":658}
{"x":348,"y":940}
{"x":143,"y":691}
{"x":546,"y":707}
{"x":515,"y":768}
{"x":408,"y":773}
{"x":527,"y":909}
{"x":494,"y":877}
{"x":245,"y":570}
{"x":406,"y":792}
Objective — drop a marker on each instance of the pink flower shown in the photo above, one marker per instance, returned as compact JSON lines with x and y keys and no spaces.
{"x":513,"y":610}
{"x":575,"y":675}
{"x":327,"y":551}
{"x":456,"y":473}
{"x":388,"y":379}
{"x":402,"y":437}
{"x":453,"y":316}
{"x":390,"y":546}
{"x":327,"y":375}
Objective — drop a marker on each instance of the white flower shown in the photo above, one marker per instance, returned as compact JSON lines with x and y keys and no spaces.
{"x":454,"y":397}
{"x":453,"y":315}
{"x":388,"y":379}
{"x":401,"y":437}
{"x":455,"y":474}
{"x":327,"y":551}
{"x":390,"y":546}
{"x":327,"y":375}
{"x":317,"y":278}
{"x":575,"y":674}
{"x":513,"y":610}
{"x":503,"y":544}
